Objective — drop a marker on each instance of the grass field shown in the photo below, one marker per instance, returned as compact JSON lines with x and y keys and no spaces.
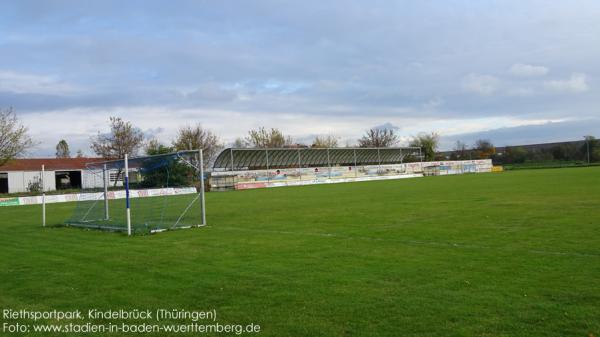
{"x":511,"y":254}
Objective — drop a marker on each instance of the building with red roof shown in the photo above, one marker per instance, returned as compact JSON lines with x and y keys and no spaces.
{"x":25,"y":175}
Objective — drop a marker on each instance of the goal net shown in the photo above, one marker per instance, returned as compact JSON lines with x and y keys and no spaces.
{"x":142,"y":195}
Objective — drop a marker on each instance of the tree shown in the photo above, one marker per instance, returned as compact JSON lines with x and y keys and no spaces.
{"x":157,"y":174}
{"x":79,"y":154}
{"x":263,"y":138}
{"x":240,"y":143}
{"x":588,"y":149}
{"x":515,"y":154}
{"x":62,"y":149}
{"x":566,"y":151}
{"x":428,"y":142}
{"x":195,"y":138}
{"x":460,"y":151}
{"x":328,"y":141}
{"x":14,"y":137}
{"x":378,"y":138}
{"x":484,"y":149}
{"x":122,"y":139}
{"x":154,"y":147}
{"x":559,"y":152}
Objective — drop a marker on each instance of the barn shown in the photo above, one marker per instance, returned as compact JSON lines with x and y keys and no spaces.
{"x":24,"y":175}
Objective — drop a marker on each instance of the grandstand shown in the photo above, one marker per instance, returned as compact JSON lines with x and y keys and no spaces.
{"x":243,"y":168}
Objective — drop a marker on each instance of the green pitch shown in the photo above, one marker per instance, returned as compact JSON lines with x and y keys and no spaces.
{"x":511,"y":254}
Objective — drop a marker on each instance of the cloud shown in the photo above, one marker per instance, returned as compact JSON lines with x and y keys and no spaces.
{"x":480,"y":84}
{"x":153,"y":132}
{"x":327,"y":67}
{"x":433,"y":103}
{"x":212,"y":92}
{"x":521,"y":91}
{"x":387,"y":126}
{"x":576,"y":83}
{"x":535,"y":133}
{"x":24,"y":83}
{"x":527,"y":70}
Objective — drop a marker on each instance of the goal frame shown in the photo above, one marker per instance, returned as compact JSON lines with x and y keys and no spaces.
{"x":106,"y":178}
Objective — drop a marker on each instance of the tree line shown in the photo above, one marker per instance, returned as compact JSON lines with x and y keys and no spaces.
{"x":125,"y":138}
{"x":587,"y":151}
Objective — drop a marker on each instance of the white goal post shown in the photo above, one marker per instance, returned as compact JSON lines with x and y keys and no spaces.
{"x":145,"y":194}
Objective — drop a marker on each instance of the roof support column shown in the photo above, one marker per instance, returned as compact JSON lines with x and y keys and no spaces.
{"x":355,"y":171}
{"x":401,"y":156}
{"x":299,"y":165}
{"x":329,"y":163}
{"x":268,"y":173}
{"x":231,"y":156}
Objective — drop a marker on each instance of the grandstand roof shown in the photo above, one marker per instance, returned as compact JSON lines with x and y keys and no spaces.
{"x":254,"y":159}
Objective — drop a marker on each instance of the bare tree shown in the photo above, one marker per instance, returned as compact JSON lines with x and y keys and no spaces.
{"x":327,"y":141}
{"x":122,"y":139}
{"x":263,"y":138}
{"x":62,"y":149}
{"x":460,"y":150}
{"x":378,"y":138}
{"x":195,"y":138}
{"x":428,"y":142}
{"x":14,"y":137}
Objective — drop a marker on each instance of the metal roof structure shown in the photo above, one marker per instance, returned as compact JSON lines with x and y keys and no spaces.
{"x":238,"y":159}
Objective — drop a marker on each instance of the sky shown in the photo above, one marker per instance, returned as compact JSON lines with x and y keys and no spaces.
{"x":514,"y":72}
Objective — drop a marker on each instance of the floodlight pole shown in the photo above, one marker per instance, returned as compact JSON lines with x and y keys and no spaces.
{"x":105,"y":177}
{"x":128,"y":210}
{"x":43,"y":197}
{"x":202,"y":201}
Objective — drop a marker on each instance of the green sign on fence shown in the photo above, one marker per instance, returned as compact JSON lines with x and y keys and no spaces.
{"x":9,"y":201}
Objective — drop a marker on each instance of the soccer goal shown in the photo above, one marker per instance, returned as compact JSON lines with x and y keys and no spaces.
{"x":146,"y":194}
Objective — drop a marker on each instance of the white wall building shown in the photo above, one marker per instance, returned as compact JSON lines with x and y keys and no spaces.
{"x":23,"y":175}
